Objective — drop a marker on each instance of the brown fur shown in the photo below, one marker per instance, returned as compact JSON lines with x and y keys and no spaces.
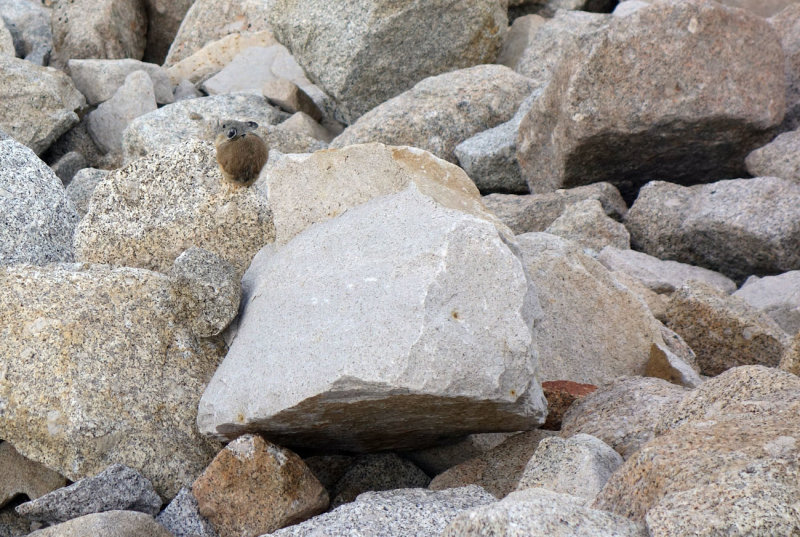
{"x":242,"y":157}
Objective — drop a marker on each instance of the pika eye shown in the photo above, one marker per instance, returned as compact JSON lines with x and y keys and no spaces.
{"x":231,"y":133}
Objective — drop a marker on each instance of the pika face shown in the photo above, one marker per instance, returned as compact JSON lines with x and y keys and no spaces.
{"x":241,"y":153}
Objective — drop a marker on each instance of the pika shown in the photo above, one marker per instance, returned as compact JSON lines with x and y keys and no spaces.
{"x":241,"y":153}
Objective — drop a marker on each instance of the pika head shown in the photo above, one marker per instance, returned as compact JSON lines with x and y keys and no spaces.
{"x":241,"y":153}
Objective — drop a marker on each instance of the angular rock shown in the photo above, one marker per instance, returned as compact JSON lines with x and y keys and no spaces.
{"x":6,"y":41}
{"x":540,"y":513}
{"x":148,"y":212}
{"x":579,"y":466}
{"x":592,"y":329}
{"x":302,"y":123}
{"x":82,"y":186}
{"x":777,"y":159}
{"x":38,"y":103}
{"x":623,"y":413}
{"x":38,"y":220}
{"x":356,"y":61}
{"x":286,"y":139}
{"x":288,"y":96}
{"x":561,"y":394}
{"x":791,"y":359}
{"x":163,"y":20}
{"x":787,"y":26}
{"x":67,"y":166}
{"x":417,"y":512}
{"x":662,"y":94}
{"x":329,"y":469}
{"x":777,"y":296}
{"x":498,"y":470}
{"x":182,"y":517}
{"x":253,"y":487}
{"x":587,"y":224}
{"x":437,"y":459}
{"x":656,"y":302}
{"x":99,"y":80}
{"x":13,"y":525}
{"x":29,"y":23}
{"x":108,"y":524}
{"x":382,"y":471}
{"x":109,"y":120}
{"x":186,"y":90}
{"x":117,"y":488}
{"x":442,"y":111}
{"x":74,"y":334}
{"x":724,"y":331}
{"x":24,"y":476}
{"x":101,"y":29}
{"x":407,"y":274}
{"x":737,"y":227}
{"x":660,"y":276}
{"x":666,"y":364}
{"x":77,"y":139}
{"x":525,"y":214}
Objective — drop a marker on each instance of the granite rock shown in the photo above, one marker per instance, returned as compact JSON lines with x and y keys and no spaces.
{"x":791,"y":358}
{"x":68,"y":165}
{"x":82,"y":186}
{"x":303,"y":124}
{"x":777,"y":159}
{"x":435,"y":460}
{"x":163,"y":20}
{"x":587,"y":224}
{"x":289,"y":97}
{"x":787,"y":26}
{"x":182,"y":517}
{"x":99,"y":80}
{"x":29,"y":23}
{"x":329,"y":469}
{"x":108,"y":524}
{"x":763,"y":8}
{"x":380,"y":471}
{"x":560,"y":395}
{"x":24,"y":476}
{"x":6,"y":41}
{"x":77,"y":139}
{"x":777,"y":296}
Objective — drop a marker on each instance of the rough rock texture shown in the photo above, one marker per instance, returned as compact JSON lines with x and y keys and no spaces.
{"x":525,"y":214}
{"x":95,"y":330}
{"x":108,"y":524}
{"x":417,"y":512}
{"x":77,"y":139}
{"x":194,"y":119}
{"x":660,"y":276}
{"x":382,"y":471}
{"x":435,"y":460}
{"x":656,"y":302}
{"x":764,"y":8}
{"x":540,"y":513}
{"x":253,"y":487}
{"x":791,"y":359}
{"x":667,"y":363}
{"x":724,"y":331}
{"x":117,"y":488}
{"x":664,"y":94}
{"x":289,"y":97}
{"x":779,"y":158}
{"x":147,"y":213}
{"x":579,"y":465}
{"x":29,"y":23}
{"x":68,"y":165}
{"x":392,"y":304}
{"x":109,"y":120}
{"x":38,"y":219}
{"x":560,"y":395}
{"x":163,"y":19}
{"x":6,"y":41}
{"x":38,"y":103}
{"x":183,"y":519}
{"x":737,"y":227}
{"x":777,"y":296}
{"x":98,"y":80}
{"x":442,"y":111}
{"x":82,"y":186}
{"x":787,"y":24}
{"x":302,"y":123}
{"x":24,"y":476}
{"x":350,"y":49}
{"x":104,"y":29}
{"x":623,"y":413}
{"x":592,"y":329}
{"x":587,"y":224}
{"x":498,"y":470}
{"x":329,"y":469}
{"x":307,"y":189}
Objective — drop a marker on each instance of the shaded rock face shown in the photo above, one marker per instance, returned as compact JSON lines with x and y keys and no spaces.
{"x":425,"y":333}
{"x":24,"y":476}
{"x":664,"y":94}
{"x":777,"y":296}
{"x":379,"y":471}
{"x":29,"y":25}
{"x":110,"y":524}
{"x":350,"y":49}
{"x":98,"y":80}
{"x":779,"y":158}
{"x":163,"y":20}
{"x":786,"y":24}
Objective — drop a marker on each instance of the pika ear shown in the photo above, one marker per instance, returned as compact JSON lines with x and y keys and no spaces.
{"x":252,"y":124}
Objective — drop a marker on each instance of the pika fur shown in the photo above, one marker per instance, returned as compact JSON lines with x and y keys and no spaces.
{"x":241,"y":153}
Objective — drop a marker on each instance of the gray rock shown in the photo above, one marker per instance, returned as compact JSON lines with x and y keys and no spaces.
{"x":286,"y":139}
{"x":183,"y":519}
{"x":356,"y":62}
{"x":737,"y":227}
{"x":302,"y":123}
{"x":763,"y":8}
{"x":329,"y":469}
{"x":133,"y":99}
{"x":524,"y":214}
{"x":777,"y":159}
{"x":579,"y":466}
{"x":627,"y":7}
{"x":117,"y":488}
{"x":13,"y":525}
{"x":541,"y":513}
{"x":442,"y":111}
{"x":288,"y":96}
{"x":6,"y":41}
{"x":787,"y":25}
{"x":68,"y":165}
{"x":651,"y":100}
{"x":149,"y":212}
{"x":38,"y":103}
{"x":416,"y":286}
{"x":29,"y":24}
{"x":163,"y":20}
{"x":99,"y":80}
{"x":401,"y":513}
{"x":777,"y":296}
{"x":108,"y":524}
{"x":186,"y":90}
{"x":587,"y":224}
{"x":24,"y":476}
{"x":38,"y":220}
{"x":82,"y":186}
{"x":77,"y":139}
{"x":383,"y":471}
{"x":437,"y":459}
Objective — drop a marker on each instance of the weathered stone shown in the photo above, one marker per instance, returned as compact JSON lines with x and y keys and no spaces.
{"x":626,"y":7}
{"x":404,"y":302}
{"x":24,"y":476}
{"x":540,"y":513}
{"x":99,"y":80}
{"x":675,"y":367}
{"x":382,"y":471}
{"x":302,"y":123}
{"x":738,"y":227}
{"x":560,"y":395}
{"x":288,"y":96}
{"x":623,"y":413}
{"x":38,"y":219}
{"x":102,"y":29}
{"x":254,"y":487}
{"x":38,"y":103}
{"x":724,"y":331}
{"x":587,"y":224}
{"x":777,"y":159}
{"x":417,"y":512}
{"x":791,"y":358}
{"x":76,"y":333}
{"x":787,"y":25}
{"x":108,"y":524}
{"x":763,"y":8}
{"x":524,"y":214}
{"x":109,"y":120}
{"x":656,"y":302}
{"x":148,"y":212}
{"x":777,"y":296}
{"x":117,"y":488}
{"x":329,"y":469}
{"x":29,"y":23}
{"x":437,"y":459}
{"x":442,"y":111}
{"x":13,"y":525}
{"x":286,"y":139}
{"x":6,"y":41}
{"x":662,"y":94}
{"x":163,"y":19}
{"x":356,"y":62}
{"x":82,"y":186}
{"x":182,"y":517}
{"x":186,"y":90}
{"x":660,"y":276}
{"x":77,"y":139}
{"x":195,"y":119}
{"x":498,"y":470}
{"x":68,"y":165}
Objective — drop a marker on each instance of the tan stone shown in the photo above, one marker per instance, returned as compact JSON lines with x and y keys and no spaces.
{"x":561,"y":394}
{"x":290,"y":97}
{"x":791,"y":358}
{"x":215,"y":55}
{"x":24,"y":476}
{"x":303,"y":124}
